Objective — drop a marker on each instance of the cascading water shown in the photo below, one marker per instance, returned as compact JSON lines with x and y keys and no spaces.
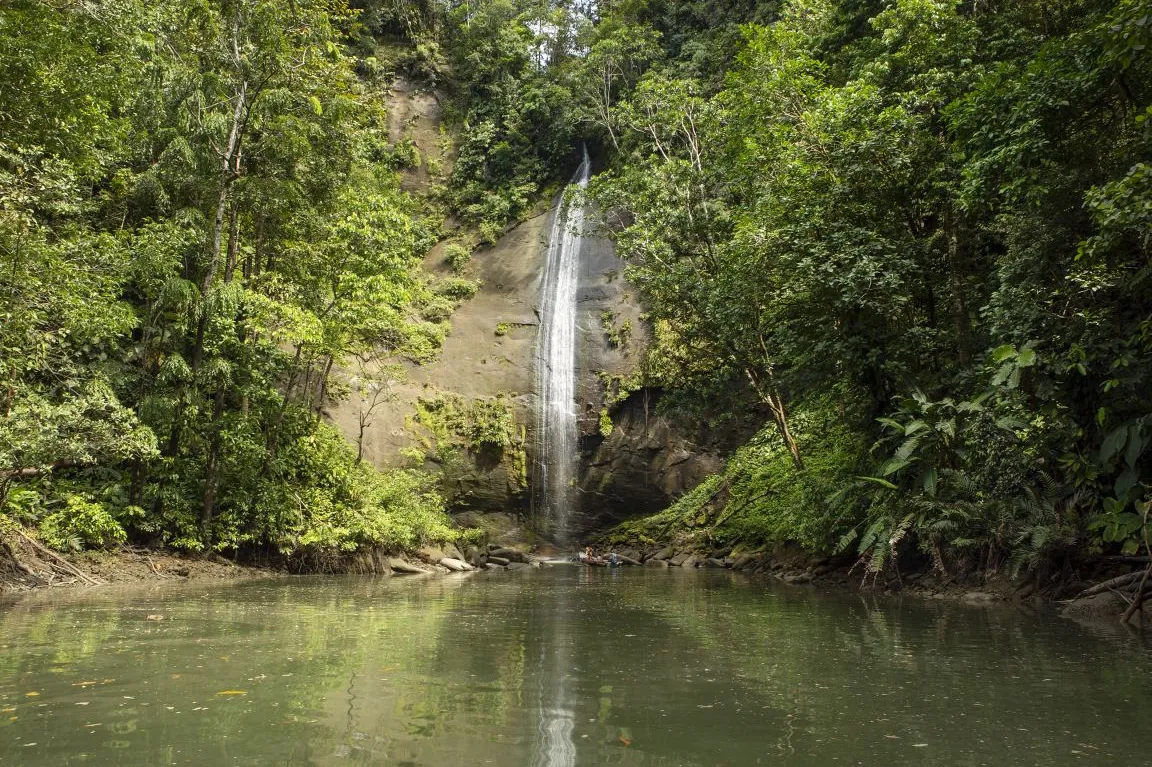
{"x":556,"y":369}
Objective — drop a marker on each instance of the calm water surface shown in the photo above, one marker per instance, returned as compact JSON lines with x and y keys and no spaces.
{"x":557,"y":667}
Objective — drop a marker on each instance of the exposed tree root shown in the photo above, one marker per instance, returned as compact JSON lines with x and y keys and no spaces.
{"x":1142,"y":594}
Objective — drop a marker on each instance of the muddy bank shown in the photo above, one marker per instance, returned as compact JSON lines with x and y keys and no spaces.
{"x":26,"y":565}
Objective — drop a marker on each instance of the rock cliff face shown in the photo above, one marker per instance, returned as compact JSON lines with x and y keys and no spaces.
{"x":646,"y":461}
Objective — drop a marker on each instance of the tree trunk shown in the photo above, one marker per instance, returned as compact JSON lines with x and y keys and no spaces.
{"x":273,"y":434}
{"x":229,"y":173}
{"x":360,"y":440}
{"x":959,"y":305}
{"x":212,"y":468}
{"x":323,"y":388}
{"x":770,"y":397}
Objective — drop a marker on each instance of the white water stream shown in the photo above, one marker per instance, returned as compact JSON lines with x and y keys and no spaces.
{"x":556,"y":455}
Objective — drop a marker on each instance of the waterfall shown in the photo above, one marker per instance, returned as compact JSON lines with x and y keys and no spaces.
{"x":556,"y":454}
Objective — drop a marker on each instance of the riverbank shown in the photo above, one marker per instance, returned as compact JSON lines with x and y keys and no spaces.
{"x":1101,"y":587}
{"x":28,"y":565}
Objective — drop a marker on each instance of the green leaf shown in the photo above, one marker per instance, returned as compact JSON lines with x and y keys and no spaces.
{"x":1001,"y":353}
{"x":914,"y":427}
{"x":1136,"y":445}
{"x":1125,"y":482}
{"x":930,"y":478}
{"x":893,"y":465}
{"x":1026,"y":358}
{"x":1113,"y":444}
{"x":904,"y":452}
{"x":846,"y":540}
{"x":878,"y":481}
{"x":1010,"y":423}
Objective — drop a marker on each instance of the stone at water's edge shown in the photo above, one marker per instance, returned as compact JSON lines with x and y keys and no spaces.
{"x":510,"y":554}
{"x":430,"y":554}
{"x":665,"y":553}
{"x":743,"y":561}
{"x":400,"y":566}
{"x":455,"y":565}
{"x":656,"y":563}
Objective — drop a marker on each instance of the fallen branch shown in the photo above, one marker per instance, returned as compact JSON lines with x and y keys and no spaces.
{"x":61,"y":562}
{"x":1126,"y":559}
{"x":20,"y":565}
{"x":39,"y":471}
{"x":1115,"y":583}
{"x":152,"y":564}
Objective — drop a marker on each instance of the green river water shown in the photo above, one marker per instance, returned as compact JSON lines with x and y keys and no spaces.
{"x":556,"y":667}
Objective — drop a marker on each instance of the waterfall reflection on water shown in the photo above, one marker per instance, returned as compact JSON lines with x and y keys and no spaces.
{"x":556,"y":717}
{"x":556,"y":368}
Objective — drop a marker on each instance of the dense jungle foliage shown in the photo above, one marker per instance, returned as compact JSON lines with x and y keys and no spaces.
{"x":910,"y":238}
{"x":913,"y":237}
{"x":200,"y":225}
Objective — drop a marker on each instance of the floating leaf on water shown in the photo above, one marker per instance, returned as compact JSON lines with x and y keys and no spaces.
{"x":232,"y":692}
{"x":31,"y":694}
